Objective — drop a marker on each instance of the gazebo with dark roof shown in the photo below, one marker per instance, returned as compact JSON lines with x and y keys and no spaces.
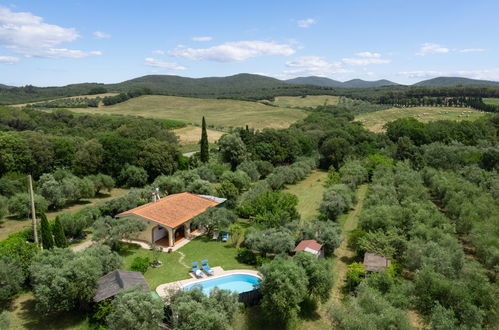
{"x":117,"y":280}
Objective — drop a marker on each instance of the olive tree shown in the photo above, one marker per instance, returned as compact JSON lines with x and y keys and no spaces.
{"x":111,"y":231}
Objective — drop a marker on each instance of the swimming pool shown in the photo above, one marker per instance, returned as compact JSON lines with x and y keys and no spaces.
{"x":235,"y":282}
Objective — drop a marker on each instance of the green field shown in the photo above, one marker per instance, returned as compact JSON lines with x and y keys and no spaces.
{"x":310,"y":101}
{"x":309,"y":192}
{"x":492,"y":101}
{"x":374,"y":121}
{"x":219,"y":113}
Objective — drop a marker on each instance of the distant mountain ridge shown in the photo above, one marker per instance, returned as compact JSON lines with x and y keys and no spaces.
{"x":326,"y":82}
{"x":456,"y":82}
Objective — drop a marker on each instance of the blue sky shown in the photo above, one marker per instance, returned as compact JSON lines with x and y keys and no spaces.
{"x":51,"y":42}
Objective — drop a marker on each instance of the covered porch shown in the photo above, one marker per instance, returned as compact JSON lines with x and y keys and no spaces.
{"x":168,"y":237}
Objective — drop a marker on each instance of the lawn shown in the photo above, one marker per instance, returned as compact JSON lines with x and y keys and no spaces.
{"x":305,"y":102}
{"x":220,"y":113}
{"x":11,"y":224}
{"x":492,"y":101}
{"x":374,"y":121}
{"x":190,"y":135}
{"x":309,"y":192}
{"x":176,"y":265}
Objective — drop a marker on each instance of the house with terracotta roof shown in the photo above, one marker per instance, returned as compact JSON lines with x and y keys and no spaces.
{"x":168,"y":219}
{"x":310,"y":246}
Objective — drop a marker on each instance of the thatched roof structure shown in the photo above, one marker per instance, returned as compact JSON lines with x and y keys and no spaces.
{"x":117,"y":280}
{"x":374,"y":262}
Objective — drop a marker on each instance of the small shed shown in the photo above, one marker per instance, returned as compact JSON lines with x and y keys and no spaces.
{"x":112,"y":283}
{"x":374,"y":262}
{"x":310,"y":246}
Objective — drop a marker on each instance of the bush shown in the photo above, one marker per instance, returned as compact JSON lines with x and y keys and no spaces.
{"x":238,"y":178}
{"x":12,"y":277}
{"x":20,"y":205}
{"x":101,"y":181}
{"x":251,"y":169}
{"x":355,"y":275}
{"x":206,"y":173}
{"x":140,"y":264}
{"x":353,"y":174}
{"x":201,"y":187}
{"x":4,"y":206}
{"x":133,"y":176}
{"x":264,"y":167}
{"x":246,"y":256}
{"x":169,"y":184}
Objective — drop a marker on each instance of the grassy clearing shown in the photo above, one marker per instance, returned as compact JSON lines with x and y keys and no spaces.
{"x":11,"y":224}
{"x":191,"y":135}
{"x":305,"y":102}
{"x":220,"y":113}
{"x":24,"y":316}
{"x":176,"y":265}
{"x":309,"y":192}
{"x":69,"y":97}
{"x":374,"y":121}
{"x":492,"y":101}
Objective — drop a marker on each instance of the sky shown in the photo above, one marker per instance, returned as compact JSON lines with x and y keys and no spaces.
{"x":59,"y":42}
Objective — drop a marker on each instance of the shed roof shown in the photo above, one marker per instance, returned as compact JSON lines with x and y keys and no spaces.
{"x":173,"y":210}
{"x":374,"y":262}
{"x":309,"y":245}
{"x":117,"y":280}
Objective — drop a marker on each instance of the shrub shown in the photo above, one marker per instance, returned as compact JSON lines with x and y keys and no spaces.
{"x":206,"y":173}
{"x":12,"y":277}
{"x":355,"y":274}
{"x":201,"y":187}
{"x":20,"y":204}
{"x":4,"y":206}
{"x":246,"y":256}
{"x":169,"y":184}
{"x":140,"y":264}
{"x":264,"y":167}
{"x":251,"y":169}
{"x":238,"y":178}
{"x":133,"y":176}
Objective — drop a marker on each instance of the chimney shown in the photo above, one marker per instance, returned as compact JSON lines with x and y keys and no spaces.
{"x":153,"y":197}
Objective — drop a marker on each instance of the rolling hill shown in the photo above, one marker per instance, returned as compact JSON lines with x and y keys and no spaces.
{"x":326,"y":82}
{"x":456,"y":82}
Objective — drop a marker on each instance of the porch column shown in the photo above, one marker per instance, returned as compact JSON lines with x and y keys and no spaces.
{"x":152,"y":233}
{"x":170,"y":236}
{"x":187,"y":229}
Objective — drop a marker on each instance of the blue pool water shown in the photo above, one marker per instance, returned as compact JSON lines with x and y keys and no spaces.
{"x":237,"y":283}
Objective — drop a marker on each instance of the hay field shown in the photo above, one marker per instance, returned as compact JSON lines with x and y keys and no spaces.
{"x":192,"y":135}
{"x":306,"y":102}
{"x":93,"y":96}
{"x":374,"y":121}
{"x":492,"y":101}
{"x":219,"y":113}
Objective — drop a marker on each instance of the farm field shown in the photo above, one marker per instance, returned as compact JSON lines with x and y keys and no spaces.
{"x":11,"y":225}
{"x":308,"y":101}
{"x":309,"y":192}
{"x":374,"y":121}
{"x":493,"y":101}
{"x":220,"y":113}
{"x":93,"y":96}
{"x":192,"y":134}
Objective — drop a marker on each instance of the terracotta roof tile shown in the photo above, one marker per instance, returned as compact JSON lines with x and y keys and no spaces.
{"x":172,"y":210}
{"x":309,"y":243}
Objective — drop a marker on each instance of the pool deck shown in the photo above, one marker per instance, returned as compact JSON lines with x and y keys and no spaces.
{"x":165,"y":290}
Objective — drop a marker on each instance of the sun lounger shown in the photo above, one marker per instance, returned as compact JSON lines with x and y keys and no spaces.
{"x":195,"y":269}
{"x":225,"y":236}
{"x":215,"y":235}
{"x":207,"y":268}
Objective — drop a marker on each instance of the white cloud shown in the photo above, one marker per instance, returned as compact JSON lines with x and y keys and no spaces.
{"x":472,"y":50}
{"x":431,"y":48}
{"x":368,"y":54}
{"x":305,"y":23}
{"x":364,"y":61}
{"x":101,"y":35}
{"x":159,"y":52}
{"x":487,"y":74}
{"x":27,"y":34}
{"x":207,"y":38}
{"x":233,"y":51}
{"x":8,"y":59}
{"x":313,"y":65}
{"x":154,"y":62}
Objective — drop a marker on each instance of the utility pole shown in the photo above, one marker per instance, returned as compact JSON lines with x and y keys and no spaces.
{"x":33,"y":212}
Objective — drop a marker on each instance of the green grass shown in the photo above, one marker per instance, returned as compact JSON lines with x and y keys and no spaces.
{"x":13,"y":224}
{"x":24,"y":316}
{"x":305,"y":102}
{"x":218,"y":254}
{"x":492,"y":101}
{"x":220,"y":113}
{"x":309,"y":192}
{"x":374,"y":121}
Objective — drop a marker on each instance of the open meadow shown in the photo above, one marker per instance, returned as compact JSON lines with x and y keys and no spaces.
{"x":374,"y":121}
{"x":309,"y":101}
{"x":492,"y":101}
{"x":219,"y":113}
{"x":192,"y":134}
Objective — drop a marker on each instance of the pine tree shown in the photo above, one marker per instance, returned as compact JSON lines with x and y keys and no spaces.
{"x":47,"y":239}
{"x":59,"y":237}
{"x":205,"y":152}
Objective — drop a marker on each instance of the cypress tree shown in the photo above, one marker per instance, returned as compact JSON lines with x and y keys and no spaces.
{"x":205,"y":152}
{"x":47,"y":239}
{"x":59,"y":237}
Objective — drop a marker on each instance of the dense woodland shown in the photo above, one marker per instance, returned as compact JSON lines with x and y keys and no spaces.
{"x":431,"y":208}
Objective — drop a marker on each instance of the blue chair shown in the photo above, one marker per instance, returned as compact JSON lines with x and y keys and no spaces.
{"x":225,"y":236}
{"x":196,"y":270}
{"x":207,"y":268}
